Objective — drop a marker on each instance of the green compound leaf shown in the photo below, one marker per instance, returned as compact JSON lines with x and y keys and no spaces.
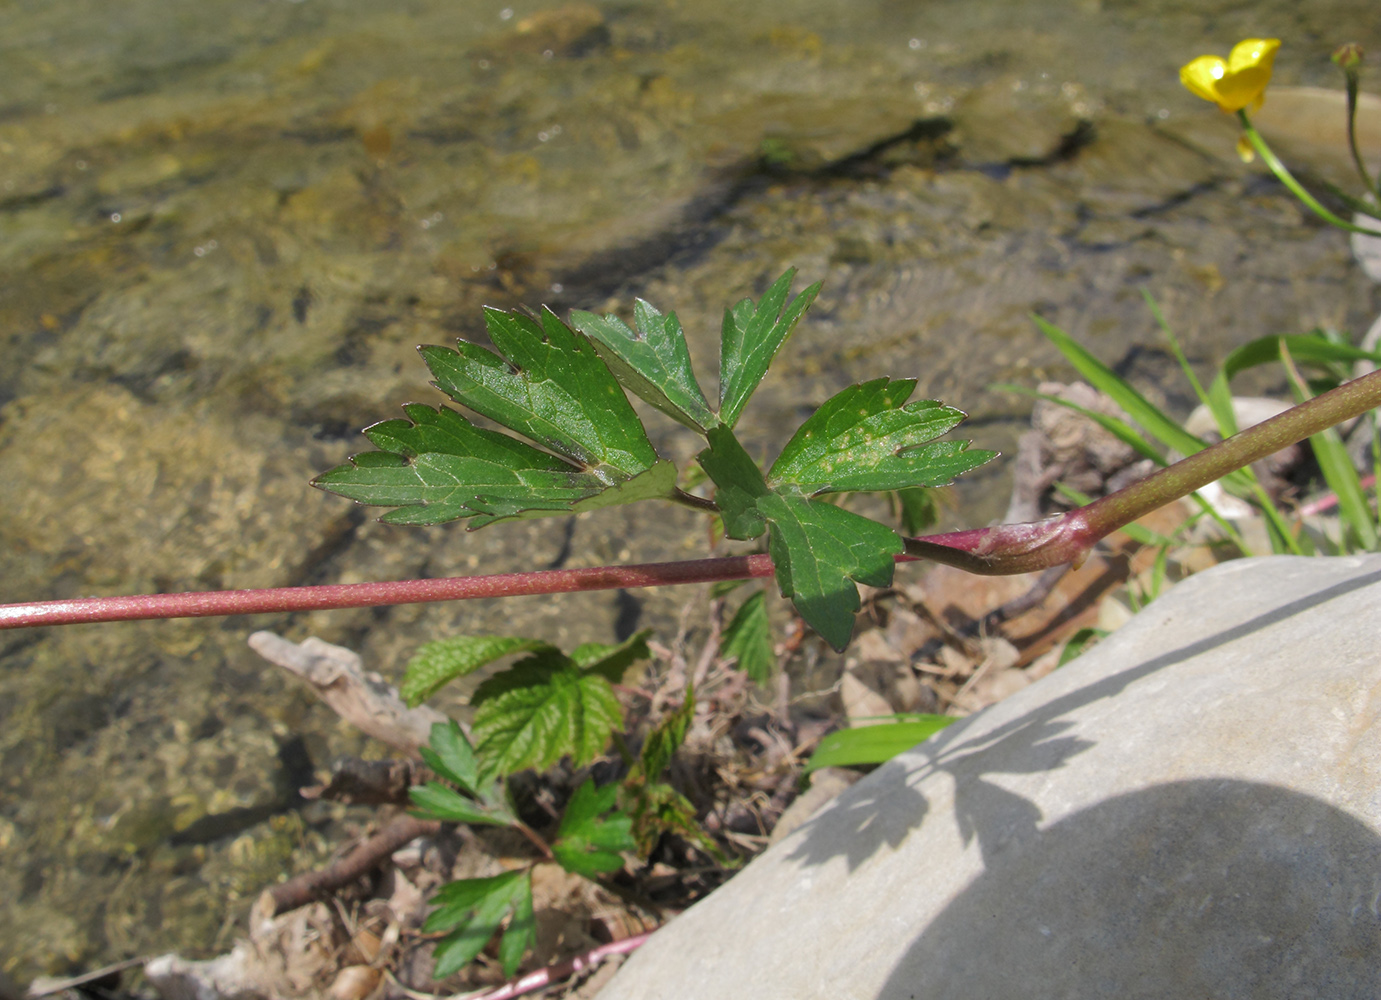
{"x":749,"y":637}
{"x":438,"y":663}
{"x":750,"y":339}
{"x":652,"y":361}
{"x":868,"y":437}
{"x":473,"y":910}
{"x":817,"y":549}
{"x":541,"y":709}
{"x":589,"y":842}
{"x":553,"y":389}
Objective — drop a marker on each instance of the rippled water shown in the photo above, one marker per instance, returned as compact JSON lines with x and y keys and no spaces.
{"x":225,"y":227}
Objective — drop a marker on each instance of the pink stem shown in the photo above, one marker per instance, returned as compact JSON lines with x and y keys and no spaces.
{"x":552,"y":973}
{"x":201,"y":604}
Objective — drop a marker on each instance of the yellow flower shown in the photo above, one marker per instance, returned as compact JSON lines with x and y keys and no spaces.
{"x":1238,"y":82}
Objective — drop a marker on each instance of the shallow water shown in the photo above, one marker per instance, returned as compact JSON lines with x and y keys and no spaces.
{"x":225,"y":226}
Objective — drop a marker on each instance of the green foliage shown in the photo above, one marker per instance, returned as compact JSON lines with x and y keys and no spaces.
{"x":877,"y":743}
{"x":438,"y":663}
{"x":651,"y":361}
{"x":749,"y":638}
{"x":1326,"y":353}
{"x":867,"y":438}
{"x":917,"y":509}
{"x":654,"y":806}
{"x":579,"y":445}
{"x":472,"y":910}
{"x":750,"y":338}
{"x":541,"y":709}
{"x":451,"y":757}
{"x":588,"y":842}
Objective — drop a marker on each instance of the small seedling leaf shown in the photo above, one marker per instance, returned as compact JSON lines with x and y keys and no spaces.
{"x":588,"y":841}
{"x":750,"y":339}
{"x":664,"y":739}
{"x":868,"y":437}
{"x":451,"y":756}
{"x":438,"y":663}
{"x":473,"y":910}
{"x":749,"y":637}
{"x":651,"y":361}
{"x":612,"y":662}
{"x":521,"y":933}
{"x":541,"y":709}
{"x":435,"y":801}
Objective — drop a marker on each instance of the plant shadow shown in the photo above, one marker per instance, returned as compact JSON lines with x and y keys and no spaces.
{"x":884,"y":807}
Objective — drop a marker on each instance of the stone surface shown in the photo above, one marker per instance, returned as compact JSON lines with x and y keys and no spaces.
{"x":1190,"y":809}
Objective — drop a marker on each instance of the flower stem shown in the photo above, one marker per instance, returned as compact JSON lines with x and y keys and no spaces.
{"x":1067,"y":538}
{"x":1288,"y":179}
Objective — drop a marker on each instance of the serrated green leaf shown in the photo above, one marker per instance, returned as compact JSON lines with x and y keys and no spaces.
{"x":750,"y":339}
{"x":541,"y":709}
{"x":589,"y":842}
{"x":612,"y":662}
{"x":475,"y":908}
{"x":441,"y":467}
{"x":438,"y":663}
{"x":652,"y":361}
{"x":749,"y":637}
{"x":656,"y":483}
{"x":868,"y":437}
{"x":451,"y":756}
{"x":552,"y":388}
{"x":817,"y":549}
{"x":878,"y":743}
{"x":435,"y":801}
{"x":664,"y":739}
{"x":739,"y":481}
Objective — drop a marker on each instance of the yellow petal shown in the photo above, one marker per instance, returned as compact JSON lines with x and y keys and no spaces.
{"x":1253,"y":52}
{"x":1201,"y":76}
{"x":1245,"y":150}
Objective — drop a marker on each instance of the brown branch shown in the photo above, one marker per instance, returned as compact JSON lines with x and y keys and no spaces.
{"x":365,"y":700}
{"x":311,"y":886}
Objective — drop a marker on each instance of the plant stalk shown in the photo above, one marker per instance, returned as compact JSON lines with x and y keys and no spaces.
{"x":1000,"y":550}
{"x":1067,"y":538}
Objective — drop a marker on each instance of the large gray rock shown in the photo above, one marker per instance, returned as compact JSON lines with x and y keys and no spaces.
{"x":1190,"y":810}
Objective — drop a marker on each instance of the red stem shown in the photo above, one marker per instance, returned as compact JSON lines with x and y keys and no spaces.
{"x":201,"y":604}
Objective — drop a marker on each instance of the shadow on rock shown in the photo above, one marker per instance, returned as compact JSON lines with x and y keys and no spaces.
{"x":1200,"y":888}
{"x":883,"y":808}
